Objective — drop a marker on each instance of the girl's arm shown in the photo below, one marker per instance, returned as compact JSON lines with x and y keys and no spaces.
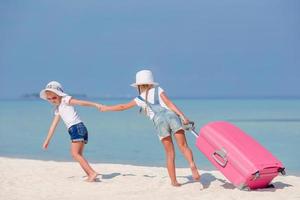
{"x":84,"y":103}
{"x":51,"y":131}
{"x":173,"y":107}
{"x":118,"y":107}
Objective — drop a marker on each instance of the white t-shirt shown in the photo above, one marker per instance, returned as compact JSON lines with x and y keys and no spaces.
{"x":67,"y":112}
{"x":150,"y":99}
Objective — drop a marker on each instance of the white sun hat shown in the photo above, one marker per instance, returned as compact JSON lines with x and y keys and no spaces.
{"x":55,"y":87}
{"x":144,"y":77}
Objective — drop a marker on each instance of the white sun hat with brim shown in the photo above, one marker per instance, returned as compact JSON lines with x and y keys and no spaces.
{"x":144,"y":77}
{"x":54,"y":87}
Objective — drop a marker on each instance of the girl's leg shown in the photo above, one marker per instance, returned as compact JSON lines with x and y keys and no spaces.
{"x":76,"y":151}
{"x":186,"y":151}
{"x":170,"y":154}
{"x":80,"y":152}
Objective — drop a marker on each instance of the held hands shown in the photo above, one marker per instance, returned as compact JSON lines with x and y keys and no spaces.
{"x":99,"y":106}
{"x":102,"y":108}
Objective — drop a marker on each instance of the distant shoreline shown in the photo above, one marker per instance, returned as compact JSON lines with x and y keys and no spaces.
{"x":32,"y":98}
{"x":35,"y":96}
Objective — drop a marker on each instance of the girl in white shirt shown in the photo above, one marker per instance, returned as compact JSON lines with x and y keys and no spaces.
{"x":64,"y":110}
{"x":166,"y":116}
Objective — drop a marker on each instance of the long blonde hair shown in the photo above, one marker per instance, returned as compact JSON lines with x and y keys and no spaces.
{"x":141,"y":89}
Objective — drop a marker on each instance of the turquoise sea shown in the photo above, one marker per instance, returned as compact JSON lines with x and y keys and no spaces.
{"x":129,"y":138}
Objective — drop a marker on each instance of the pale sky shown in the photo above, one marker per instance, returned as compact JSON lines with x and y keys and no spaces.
{"x":197,"y":48}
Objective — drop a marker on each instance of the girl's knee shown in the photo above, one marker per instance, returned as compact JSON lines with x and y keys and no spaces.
{"x":75,"y":156}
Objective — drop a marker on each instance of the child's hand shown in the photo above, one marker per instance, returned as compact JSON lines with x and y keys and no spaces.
{"x":185,"y":120}
{"x":99,"y":106}
{"x":45,"y":145}
{"x":103,"y":108}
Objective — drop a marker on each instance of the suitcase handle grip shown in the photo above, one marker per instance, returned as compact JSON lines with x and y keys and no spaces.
{"x":191,"y":127}
{"x":221,"y":153}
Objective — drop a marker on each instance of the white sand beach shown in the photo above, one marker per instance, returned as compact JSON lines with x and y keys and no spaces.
{"x":22,"y":179}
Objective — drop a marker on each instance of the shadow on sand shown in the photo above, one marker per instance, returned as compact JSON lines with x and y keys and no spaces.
{"x":208,"y":178}
{"x":113,"y":175}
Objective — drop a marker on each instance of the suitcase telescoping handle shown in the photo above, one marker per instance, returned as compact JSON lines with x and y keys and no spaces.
{"x":191,"y":127}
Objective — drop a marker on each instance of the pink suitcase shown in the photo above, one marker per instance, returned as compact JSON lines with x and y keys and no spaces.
{"x":241,"y":159}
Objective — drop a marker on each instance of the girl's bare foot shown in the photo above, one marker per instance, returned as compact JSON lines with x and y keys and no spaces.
{"x":176,"y":184}
{"x":92,"y":177}
{"x":195,"y":173}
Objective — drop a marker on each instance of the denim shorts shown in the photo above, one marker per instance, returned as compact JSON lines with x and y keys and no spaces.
{"x":78,"y":133}
{"x":166,"y":123}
